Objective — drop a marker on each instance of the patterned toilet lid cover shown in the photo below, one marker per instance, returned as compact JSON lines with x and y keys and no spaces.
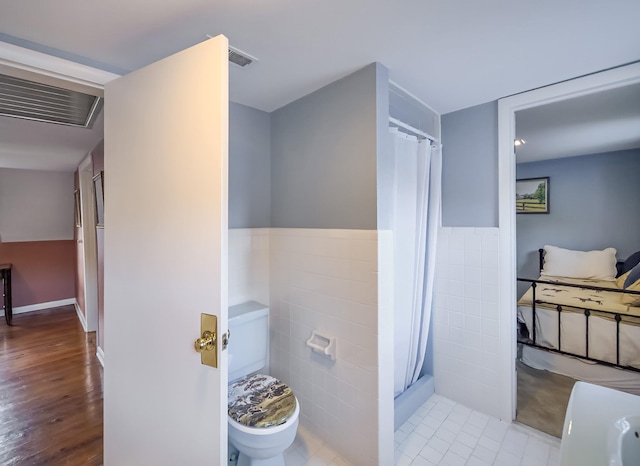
{"x":260,"y":401}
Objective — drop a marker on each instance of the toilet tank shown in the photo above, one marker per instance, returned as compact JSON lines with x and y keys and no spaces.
{"x":248,"y":342}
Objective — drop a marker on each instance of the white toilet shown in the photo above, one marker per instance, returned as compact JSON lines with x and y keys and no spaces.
{"x":262,"y":411}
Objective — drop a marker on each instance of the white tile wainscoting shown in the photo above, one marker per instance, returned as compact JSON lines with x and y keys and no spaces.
{"x":325,"y":280}
{"x":466,"y":317}
{"x":248,"y":265}
{"x":337,"y":282}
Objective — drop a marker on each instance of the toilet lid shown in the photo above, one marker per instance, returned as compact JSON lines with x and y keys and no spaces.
{"x":260,"y":401}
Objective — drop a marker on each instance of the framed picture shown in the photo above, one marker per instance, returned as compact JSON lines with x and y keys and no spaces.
{"x":98,"y":189}
{"x":77,"y":214}
{"x":532,"y":196}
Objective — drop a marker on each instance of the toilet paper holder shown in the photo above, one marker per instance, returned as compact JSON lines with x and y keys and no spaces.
{"x":323,"y":345}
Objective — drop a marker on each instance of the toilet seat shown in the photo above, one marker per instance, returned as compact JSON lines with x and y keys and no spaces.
{"x":260,"y":401}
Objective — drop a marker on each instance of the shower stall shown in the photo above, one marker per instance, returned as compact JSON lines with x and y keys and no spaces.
{"x":414,"y":218}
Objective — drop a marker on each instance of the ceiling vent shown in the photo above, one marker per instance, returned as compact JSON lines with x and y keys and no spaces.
{"x":240,"y":58}
{"x":29,"y":100}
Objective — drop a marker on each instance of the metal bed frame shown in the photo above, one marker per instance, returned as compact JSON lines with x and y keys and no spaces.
{"x":587,"y":313}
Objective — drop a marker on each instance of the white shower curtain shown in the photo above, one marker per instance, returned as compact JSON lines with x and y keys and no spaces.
{"x":416,"y":218}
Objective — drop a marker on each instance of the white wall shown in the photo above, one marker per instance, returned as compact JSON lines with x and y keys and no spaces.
{"x":467,"y":339}
{"x":35,"y":205}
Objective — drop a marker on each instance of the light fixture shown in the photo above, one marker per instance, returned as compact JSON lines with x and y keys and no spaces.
{"x":519,"y":142}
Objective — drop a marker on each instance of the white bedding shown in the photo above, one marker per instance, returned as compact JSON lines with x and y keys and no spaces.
{"x":602,"y":335}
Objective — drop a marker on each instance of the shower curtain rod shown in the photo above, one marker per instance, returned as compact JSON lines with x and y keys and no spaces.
{"x":393,"y":84}
{"x":416,"y":131}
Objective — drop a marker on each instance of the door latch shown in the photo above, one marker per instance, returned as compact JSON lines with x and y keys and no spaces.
{"x":225,"y":339}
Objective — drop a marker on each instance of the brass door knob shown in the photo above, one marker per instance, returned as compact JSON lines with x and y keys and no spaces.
{"x":206,"y":343}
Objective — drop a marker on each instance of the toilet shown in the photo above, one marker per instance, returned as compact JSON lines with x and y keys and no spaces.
{"x":262,"y":411}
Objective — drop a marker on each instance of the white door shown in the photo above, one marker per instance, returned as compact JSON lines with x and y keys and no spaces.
{"x":166,"y":150}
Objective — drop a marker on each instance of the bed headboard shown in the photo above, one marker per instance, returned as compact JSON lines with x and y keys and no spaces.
{"x":621,"y":266}
{"x":541,"y":259}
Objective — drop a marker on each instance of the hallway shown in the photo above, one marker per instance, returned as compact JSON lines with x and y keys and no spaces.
{"x":51,"y":391}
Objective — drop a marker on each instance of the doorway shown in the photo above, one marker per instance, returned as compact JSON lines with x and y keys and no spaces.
{"x":88,"y":247}
{"x":507,"y":134}
{"x":576,"y":165}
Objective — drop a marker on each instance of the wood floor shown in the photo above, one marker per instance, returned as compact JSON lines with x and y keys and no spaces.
{"x":50,"y":391}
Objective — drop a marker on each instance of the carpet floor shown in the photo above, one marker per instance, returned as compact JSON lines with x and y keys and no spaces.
{"x":542,"y":399}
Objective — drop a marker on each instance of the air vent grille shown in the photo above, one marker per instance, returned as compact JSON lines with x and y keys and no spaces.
{"x":20,"y":98}
{"x":240,"y":58}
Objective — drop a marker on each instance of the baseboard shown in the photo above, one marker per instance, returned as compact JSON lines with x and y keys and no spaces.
{"x":100,"y":355}
{"x":411,"y":399}
{"x":41,"y":306}
{"x":81,"y":317}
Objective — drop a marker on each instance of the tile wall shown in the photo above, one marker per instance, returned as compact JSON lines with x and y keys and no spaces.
{"x":467,"y":340}
{"x":327,"y":280}
{"x":248,"y":265}
{"x":386,"y":363}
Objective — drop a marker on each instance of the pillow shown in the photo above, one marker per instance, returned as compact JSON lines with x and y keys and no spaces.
{"x":633,"y":276}
{"x":621,"y":279}
{"x":631,"y":262}
{"x":631,"y":282}
{"x":559,"y":262}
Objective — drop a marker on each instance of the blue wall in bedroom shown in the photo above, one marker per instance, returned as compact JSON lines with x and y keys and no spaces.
{"x":594,"y":203}
{"x":470,"y":167}
{"x":249,"y":167}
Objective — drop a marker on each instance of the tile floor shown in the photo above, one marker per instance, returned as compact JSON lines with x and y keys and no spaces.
{"x":442,"y":432}
{"x":308,"y":450}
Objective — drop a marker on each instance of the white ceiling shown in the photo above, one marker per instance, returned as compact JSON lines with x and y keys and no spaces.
{"x":451,"y":54}
{"x":33,"y":145}
{"x":598,"y":123}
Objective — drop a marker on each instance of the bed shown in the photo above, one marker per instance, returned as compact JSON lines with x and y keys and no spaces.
{"x":583,"y":323}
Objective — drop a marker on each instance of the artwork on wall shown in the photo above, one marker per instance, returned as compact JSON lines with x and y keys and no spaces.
{"x":98,"y":190}
{"x":77,"y":215}
{"x":532,"y":196}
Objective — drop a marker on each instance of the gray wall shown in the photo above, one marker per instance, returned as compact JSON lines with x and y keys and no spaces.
{"x":593,"y":202}
{"x":470,"y":167}
{"x":35,"y":205}
{"x":249,"y":167}
{"x":323,"y":156}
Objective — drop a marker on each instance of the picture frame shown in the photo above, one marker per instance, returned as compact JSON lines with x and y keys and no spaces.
{"x":532,"y":195}
{"x":77,"y":213}
{"x":98,"y":190}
